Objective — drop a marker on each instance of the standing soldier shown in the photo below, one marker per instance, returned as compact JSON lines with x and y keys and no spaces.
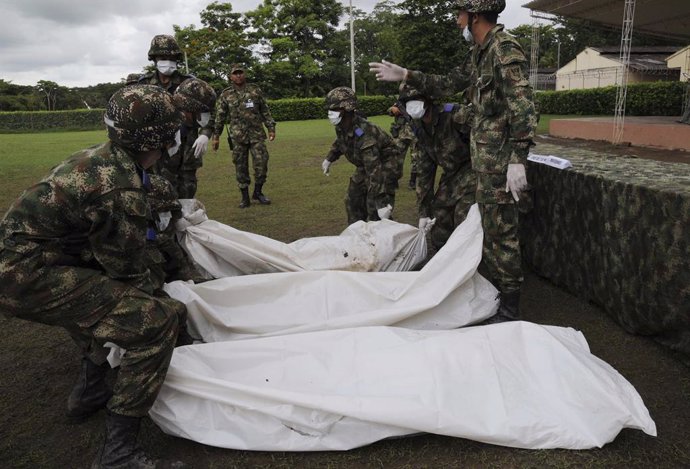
{"x":495,"y":74}
{"x":72,"y":255}
{"x":243,"y":107}
{"x":197,"y":100}
{"x":371,"y":193}
{"x":166,"y":55}
{"x":443,"y":137}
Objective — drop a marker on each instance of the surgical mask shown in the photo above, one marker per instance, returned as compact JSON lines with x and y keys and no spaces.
{"x":178,"y":141}
{"x":204,"y":119}
{"x":415,"y":108}
{"x":166,"y":67}
{"x":335,"y":117}
{"x":467,"y":34}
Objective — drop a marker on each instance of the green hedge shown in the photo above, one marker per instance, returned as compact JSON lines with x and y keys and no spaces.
{"x":42,"y":121}
{"x":661,"y":98}
{"x":281,"y":109}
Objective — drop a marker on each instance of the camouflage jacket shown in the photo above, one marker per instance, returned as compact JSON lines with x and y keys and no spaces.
{"x":444,"y":142}
{"x":495,"y":75}
{"x":90,"y":212}
{"x":175,"y":79}
{"x":367,"y":146}
{"x":245,"y":111}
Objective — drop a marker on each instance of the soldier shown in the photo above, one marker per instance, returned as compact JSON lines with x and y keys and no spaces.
{"x":443,"y":137}
{"x":495,"y":74}
{"x":371,"y":193}
{"x":196,"y":99}
{"x":165,"y":54}
{"x":73,"y":256}
{"x":243,"y":107}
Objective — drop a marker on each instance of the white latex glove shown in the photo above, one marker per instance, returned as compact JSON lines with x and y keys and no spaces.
{"x":386,"y":71}
{"x":516,"y":179}
{"x":426,"y":223}
{"x":200,"y":146}
{"x":385,"y":212}
{"x":325,"y":166}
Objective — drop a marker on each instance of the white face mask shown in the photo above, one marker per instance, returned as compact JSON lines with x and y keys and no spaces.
{"x":166,"y":67}
{"x":178,"y":141}
{"x":467,"y":34}
{"x":335,"y":117}
{"x":203,"y":119}
{"x":415,"y":108}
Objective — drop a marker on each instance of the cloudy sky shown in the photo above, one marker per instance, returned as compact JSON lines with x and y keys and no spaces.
{"x":86,"y":42}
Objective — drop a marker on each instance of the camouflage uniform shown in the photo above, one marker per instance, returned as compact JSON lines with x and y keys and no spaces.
{"x":245,"y":111}
{"x":73,"y":251}
{"x":403,"y":133}
{"x":376,"y":158}
{"x":495,"y":75}
{"x":444,"y":142}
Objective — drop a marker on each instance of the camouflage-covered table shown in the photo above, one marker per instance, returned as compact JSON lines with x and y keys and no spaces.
{"x":616,"y":231}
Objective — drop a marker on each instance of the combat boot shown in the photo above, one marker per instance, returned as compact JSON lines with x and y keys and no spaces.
{"x":508,"y":309}
{"x":413,"y":181}
{"x":258,"y":195}
{"x":245,"y":198}
{"x":120,"y":449}
{"x":90,"y":392}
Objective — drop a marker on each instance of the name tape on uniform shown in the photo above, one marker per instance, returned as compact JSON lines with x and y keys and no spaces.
{"x":550,"y":160}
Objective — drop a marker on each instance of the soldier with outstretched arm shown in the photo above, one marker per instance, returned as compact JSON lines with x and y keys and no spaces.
{"x":494,"y":73}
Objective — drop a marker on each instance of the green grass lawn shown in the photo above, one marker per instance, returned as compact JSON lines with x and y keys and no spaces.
{"x":305,"y":202}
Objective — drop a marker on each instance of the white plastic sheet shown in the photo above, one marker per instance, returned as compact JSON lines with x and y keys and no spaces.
{"x":513,"y":384}
{"x":220,"y":251}
{"x":445,"y":294}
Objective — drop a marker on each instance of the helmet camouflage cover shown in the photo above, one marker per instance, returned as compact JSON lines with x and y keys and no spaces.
{"x":142,"y":117}
{"x":407,"y":93}
{"x":341,"y":98}
{"x":132,"y":78}
{"x":478,"y":6}
{"x":194,"y":95}
{"x":164,"y":45}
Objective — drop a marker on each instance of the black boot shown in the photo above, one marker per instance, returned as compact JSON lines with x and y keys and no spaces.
{"x":245,"y":198}
{"x":258,"y":195}
{"x":120,"y":449}
{"x":413,"y":180}
{"x":90,"y":393}
{"x":508,"y":309}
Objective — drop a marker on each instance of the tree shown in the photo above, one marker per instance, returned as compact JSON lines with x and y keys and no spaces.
{"x":50,"y":90}
{"x":293,"y":38}
{"x":220,"y":42}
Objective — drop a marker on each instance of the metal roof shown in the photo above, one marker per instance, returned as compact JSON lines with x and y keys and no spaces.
{"x":665,"y":18}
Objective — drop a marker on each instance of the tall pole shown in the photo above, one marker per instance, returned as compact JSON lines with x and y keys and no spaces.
{"x":352,"y":49}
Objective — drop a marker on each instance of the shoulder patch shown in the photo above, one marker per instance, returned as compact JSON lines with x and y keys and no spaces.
{"x":448,"y":107}
{"x":359,"y":132}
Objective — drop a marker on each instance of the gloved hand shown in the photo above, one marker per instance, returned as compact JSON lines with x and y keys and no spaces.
{"x":325,"y":166}
{"x":426,"y":223}
{"x":386,"y":71}
{"x":200,"y":146}
{"x":516,"y":179}
{"x":215,"y":142}
{"x":385,"y":212}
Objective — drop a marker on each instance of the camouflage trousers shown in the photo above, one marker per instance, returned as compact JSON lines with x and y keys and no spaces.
{"x":94,"y":311}
{"x":362,"y":200}
{"x":403,"y":144}
{"x":501,"y":258}
{"x":452,"y":200}
{"x":240,"y":158}
{"x":180,"y":170}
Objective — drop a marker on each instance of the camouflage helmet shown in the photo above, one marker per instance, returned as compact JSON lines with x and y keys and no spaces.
{"x":479,"y":6}
{"x":407,"y":93}
{"x":341,"y":98}
{"x":163,"y":45}
{"x":142,"y":117}
{"x":132,"y":78}
{"x":194,"y":95}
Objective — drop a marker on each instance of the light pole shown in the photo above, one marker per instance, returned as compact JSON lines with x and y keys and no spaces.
{"x":352,"y":49}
